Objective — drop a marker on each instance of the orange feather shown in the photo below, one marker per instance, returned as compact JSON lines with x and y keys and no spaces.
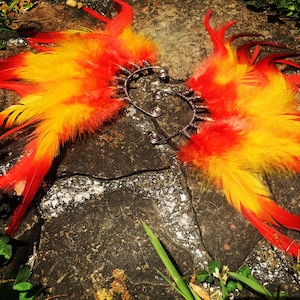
{"x":66,"y":91}
{"x":253,"y":129}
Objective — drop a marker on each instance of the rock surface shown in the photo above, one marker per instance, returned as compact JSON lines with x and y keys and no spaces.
{"x":86,"y":222}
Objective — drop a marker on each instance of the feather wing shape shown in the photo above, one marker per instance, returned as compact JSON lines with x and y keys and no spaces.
{"x":254,"y":129}
{"x":66,"y":91}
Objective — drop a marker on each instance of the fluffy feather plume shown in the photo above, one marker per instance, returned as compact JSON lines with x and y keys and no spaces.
{"x":66,"y":91}
{"x":254,"y":129}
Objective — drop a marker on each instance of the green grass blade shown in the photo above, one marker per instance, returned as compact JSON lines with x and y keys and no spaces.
{"x":252,"y":283}
{"x":196,"y":297}
{"x":182,"y":287}
{"x":172,"y":284}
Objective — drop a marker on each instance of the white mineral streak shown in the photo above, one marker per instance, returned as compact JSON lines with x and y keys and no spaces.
{"x":166,"y":187}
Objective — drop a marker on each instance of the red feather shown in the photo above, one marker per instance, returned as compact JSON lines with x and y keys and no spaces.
{"x":67,"y":89}
{"x":253,"y":129}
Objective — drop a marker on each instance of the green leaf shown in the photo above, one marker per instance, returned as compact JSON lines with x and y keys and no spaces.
{"x":5,"y":248}
{"x":280,"y":294}
{"x":231,"y":286}
{"x":23,"y":296}
{"x":252,"y":283}
{"x":23,"y":274}
{"x":202,"y":276}
{"x":213,"y":265}
{"x":4,"y":238}
{"x":12,"y":4}
{"x":245,"y":270}
{"x":291,"y":7}
{"x":239,"y":286}
{"x":23,"y":286}
{"x":210,"y":279}
{"x":183,"y":288}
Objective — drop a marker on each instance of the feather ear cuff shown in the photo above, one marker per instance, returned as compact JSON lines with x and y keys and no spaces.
{"x":67,"y":89}
{"x":254,"y":129}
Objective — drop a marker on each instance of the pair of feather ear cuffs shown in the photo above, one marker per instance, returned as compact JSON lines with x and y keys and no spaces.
{"x":161,"y":90}
{"x":245,"y":118}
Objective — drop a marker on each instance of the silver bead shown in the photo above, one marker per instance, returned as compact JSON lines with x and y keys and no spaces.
{"x":157,"y":95}
{"x":153,"y":137}
{"x":156,"y":112}
{"x":163,"y":75}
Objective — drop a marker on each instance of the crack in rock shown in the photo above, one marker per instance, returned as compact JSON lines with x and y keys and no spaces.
{"x":167,"y":187}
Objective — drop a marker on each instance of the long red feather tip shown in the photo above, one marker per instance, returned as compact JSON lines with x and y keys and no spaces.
{"x":254,"y":129}
{"x":275,"y":237}
{"x":25,"y":179}
{"x":66,"y":91}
